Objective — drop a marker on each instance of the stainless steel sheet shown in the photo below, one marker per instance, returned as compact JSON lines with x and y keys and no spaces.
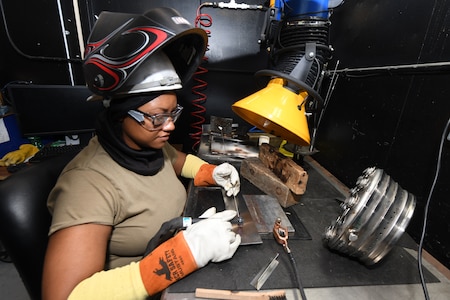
{"x":265,"y":209}
{"x":202,"y":198}
{"x":248,"y":230}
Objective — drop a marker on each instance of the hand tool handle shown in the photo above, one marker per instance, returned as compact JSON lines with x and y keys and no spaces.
{"x":237,"y":295}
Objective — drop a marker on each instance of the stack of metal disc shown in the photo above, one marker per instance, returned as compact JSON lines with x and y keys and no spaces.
{"x":374,"y":216}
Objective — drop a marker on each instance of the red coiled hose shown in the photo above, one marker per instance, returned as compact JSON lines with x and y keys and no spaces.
{"x":198,"y":109}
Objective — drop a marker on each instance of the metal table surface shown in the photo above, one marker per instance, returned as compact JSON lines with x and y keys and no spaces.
{"x":318,"y":266}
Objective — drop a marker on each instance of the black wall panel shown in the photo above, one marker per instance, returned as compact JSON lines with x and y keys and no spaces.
{"x":390,"y":105}
{"x":381,"y":32}
{"x":233,"y":34}
{"x":32,"y":43}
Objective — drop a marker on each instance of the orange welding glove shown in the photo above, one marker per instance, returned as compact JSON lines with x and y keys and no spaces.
{"x":205,"y":174}
{"x":208,"y":240}
{"x":224,"y":175}
{"x":167,"y":264}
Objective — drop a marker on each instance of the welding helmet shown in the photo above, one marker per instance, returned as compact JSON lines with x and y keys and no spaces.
{"x":134,"y":54}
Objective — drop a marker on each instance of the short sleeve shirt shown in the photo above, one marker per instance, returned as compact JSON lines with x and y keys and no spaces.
{"x":93,"y":188}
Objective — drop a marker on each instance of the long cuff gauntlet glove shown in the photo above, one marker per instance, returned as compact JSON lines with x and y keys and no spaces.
{"x":208,"y":240}
{"x":204,"y":174}
{"x":168,"y":263}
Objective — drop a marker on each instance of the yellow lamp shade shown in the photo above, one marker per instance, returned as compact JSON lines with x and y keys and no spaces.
{"x":276,"y":110}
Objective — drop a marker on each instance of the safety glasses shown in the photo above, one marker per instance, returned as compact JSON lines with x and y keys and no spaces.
{"x":157,"y":119}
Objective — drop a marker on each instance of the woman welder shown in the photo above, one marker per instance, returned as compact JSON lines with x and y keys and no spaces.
{"x":112,"y":198}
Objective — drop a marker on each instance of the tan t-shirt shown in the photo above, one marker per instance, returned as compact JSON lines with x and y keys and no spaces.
{"x":93,"y":188}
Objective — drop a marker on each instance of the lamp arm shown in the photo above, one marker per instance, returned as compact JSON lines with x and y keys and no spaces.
{"x":303,"y":67}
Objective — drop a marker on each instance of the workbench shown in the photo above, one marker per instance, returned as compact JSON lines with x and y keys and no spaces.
{"x":319,"y":267}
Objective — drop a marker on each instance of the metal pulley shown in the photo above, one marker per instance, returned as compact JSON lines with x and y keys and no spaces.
{"x":373,"y":218}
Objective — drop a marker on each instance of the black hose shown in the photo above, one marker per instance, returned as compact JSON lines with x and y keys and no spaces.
{"x":297,"y":276}
{"x":166,"y":231}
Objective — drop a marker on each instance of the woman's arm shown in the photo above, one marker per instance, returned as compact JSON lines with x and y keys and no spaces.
{"x":179,"y":163}
{"x":73,"y":254}
{"x":75,"y":258}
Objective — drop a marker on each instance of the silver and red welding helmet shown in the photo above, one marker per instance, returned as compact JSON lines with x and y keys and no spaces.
{"x":133,"y":54}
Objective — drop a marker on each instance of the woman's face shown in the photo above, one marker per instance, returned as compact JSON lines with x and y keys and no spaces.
{"x":138,"y":136}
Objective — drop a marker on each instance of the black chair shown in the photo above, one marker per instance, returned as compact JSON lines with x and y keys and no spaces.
{"x":25,"y":220}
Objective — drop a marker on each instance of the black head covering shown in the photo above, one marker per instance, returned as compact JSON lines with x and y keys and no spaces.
{"x":147,"y":161}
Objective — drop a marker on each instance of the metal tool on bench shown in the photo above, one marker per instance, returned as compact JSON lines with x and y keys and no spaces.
{"x":239,"y":295}
{"x":243,"y":223}
{"x":203,"y":197}
{"x":281,"y":235}
{"x":265,"y":272}
{"x":240,"y":219}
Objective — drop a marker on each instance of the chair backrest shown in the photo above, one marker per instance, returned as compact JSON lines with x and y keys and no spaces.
{"x":25,"y":220}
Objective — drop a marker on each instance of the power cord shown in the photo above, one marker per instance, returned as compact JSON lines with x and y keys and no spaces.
{"x":17,"y":49}
{"x":281,"y":235}
{"x":425,"y":219}
{"x":4,"y":256}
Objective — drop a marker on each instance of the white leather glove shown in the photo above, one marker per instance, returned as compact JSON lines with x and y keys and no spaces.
{"x":227,"y":177}
{"x":210,"y":213}
{"x":212,"y":238}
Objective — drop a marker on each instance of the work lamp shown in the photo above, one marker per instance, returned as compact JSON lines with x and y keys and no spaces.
{"x":277,"y":110}
{"x":298,"y":49}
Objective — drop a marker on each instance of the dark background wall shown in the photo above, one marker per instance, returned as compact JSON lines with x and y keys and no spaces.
{"x":389,"y":107}
{"x":393,"y":115}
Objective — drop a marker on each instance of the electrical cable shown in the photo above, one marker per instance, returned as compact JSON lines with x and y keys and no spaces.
{"x":297,"y":276}
{"x":8,"y":35}
{"x":318,"y":120}
{"x":4,"y":90}
{"x":168,"y":230}
{"x":4,"y":257}
{"x":281,"y":235}
{"x":422,"y":238}
{"x":198,"y":111}
{"x":418,"y":68}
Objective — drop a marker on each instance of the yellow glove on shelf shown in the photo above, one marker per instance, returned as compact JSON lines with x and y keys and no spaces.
{"x":18,"y":156}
